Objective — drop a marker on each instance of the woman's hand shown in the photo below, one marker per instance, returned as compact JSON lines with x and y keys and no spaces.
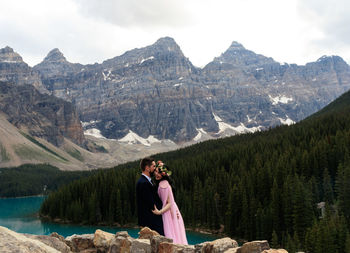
{"x":156,"y":211}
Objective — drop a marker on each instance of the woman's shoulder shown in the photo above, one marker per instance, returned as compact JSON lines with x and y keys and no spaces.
{"x":164,"y":184}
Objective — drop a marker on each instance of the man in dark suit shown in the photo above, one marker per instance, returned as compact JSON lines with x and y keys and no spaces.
{"x":147,"y":197}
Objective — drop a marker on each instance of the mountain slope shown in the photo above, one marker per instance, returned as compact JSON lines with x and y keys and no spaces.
{"x":19,"y":147}
{"x":42,"y":115}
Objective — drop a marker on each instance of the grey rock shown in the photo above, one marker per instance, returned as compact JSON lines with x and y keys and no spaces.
{"x":217,"y":246}
{"x":43,"y":115}
{"x":14,"y":70}
{"x":53,"y":242}
{"x":254,"y":247}
{"x":157,"y":240}
{"x":78,"y":243}
{"x":12,"y":242}
{"x":157,"y":91}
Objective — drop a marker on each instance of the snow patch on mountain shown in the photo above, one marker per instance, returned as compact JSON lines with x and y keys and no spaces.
{"x":200,"y":134}
{"x":239,"y":129}
{"x":280,"y":99}
{"x":94,"y":132}
{"x":133,"y":138}
{"x":147,"y":59}
{"x":286,"y":121}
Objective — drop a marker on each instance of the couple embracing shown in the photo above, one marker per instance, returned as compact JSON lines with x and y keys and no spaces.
{"x":156,"y":206}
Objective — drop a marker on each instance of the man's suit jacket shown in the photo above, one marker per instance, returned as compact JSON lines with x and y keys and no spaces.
{"x":147,"y":197}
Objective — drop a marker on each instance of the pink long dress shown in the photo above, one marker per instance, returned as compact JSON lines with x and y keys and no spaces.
{"x":173,"y":224}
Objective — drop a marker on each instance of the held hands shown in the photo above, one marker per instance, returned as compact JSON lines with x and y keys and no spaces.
{"x":156,"y":211}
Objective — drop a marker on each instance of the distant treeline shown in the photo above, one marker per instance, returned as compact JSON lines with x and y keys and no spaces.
{"x":264,"y":185}
{"x":35,"y":179}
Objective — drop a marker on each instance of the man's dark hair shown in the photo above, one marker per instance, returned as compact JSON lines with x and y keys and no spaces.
{"x":147,"y":161}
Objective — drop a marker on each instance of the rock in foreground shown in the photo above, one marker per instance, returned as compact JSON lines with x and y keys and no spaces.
{"x":104,"y":242}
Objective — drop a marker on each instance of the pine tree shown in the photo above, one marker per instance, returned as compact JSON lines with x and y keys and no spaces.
{"x":347,"y":243}
{"x":328,"y":195}
{"x":302,"y":209}
{"x":274,"y":240}
{"x":276,"y":207}
{"x":343,"y":190}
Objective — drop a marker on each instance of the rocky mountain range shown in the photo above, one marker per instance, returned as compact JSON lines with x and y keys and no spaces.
{"x":14,"y":70}
{"x":28,"y":105}
{"x":156,"y":92}
{"x":156,"y":95}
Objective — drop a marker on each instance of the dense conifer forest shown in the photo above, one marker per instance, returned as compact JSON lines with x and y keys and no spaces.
{"x":35,"y":179}
{"x":266,"y":185}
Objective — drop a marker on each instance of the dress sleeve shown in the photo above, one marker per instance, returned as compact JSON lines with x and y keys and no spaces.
{"x":173,"y":207}
{"x":165,"y":192}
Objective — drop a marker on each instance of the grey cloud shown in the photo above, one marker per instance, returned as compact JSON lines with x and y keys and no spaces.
{"x":332,"y":17}
{"x":144,"y":13}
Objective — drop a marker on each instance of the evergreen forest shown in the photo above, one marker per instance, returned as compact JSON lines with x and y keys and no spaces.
{"x":289,"y":185}
{"x":35,"y":179}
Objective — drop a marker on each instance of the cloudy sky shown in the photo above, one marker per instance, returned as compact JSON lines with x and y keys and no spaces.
{"x":89,"y":31}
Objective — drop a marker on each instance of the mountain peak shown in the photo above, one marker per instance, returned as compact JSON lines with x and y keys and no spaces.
{"x":55,"y":55}
{"x":167,"y":43}
{"x":329,"y":58}
{"x":236,"y":46}
{"x":166,"y":40}
{"x":8,"y":55}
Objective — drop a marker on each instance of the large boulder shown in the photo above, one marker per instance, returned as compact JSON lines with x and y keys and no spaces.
{"x":51,"y":241}
{"x":167,"y":247}
{"x":254,"y":247}
{"x":219,"y":245}
{"x":102,"y":239}
{"x":147,"y":233}
{"x":12,"y":242}
{"x":79,"y":243}
{"x":157,"y":240}
{"x":275,"y":251}
{"x":123,"y":243}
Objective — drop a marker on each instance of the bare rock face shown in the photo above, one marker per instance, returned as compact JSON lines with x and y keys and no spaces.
{"x":13,"y":69}
{"x":42,"y":115}
{"x":157,"y":91}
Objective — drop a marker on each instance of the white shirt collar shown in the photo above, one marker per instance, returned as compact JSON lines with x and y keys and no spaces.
{"x":148,"y":178}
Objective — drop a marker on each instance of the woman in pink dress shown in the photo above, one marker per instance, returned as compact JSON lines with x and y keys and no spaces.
{"x":173,"y":224}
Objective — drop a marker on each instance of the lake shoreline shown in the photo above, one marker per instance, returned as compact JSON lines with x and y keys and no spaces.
{"x":21,"y":197}
{"x":22,"y":216}
{"x":200,"y":230}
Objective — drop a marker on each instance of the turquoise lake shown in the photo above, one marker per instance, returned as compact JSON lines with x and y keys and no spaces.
{"x":20,"y":215}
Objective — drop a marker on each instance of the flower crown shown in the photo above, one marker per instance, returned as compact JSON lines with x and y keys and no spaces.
{"x":163,"y":169}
